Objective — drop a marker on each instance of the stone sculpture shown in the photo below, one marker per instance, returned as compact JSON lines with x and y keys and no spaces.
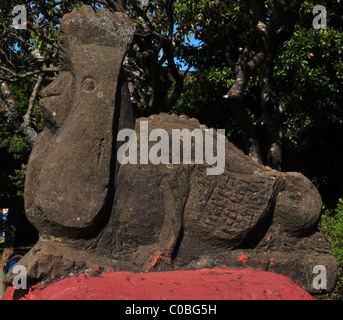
{"x":92,"y":211}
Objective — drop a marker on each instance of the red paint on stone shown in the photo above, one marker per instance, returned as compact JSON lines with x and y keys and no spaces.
{"x":206,"y":284}
{"x":244,"y":259}
{"x":158,"y":258}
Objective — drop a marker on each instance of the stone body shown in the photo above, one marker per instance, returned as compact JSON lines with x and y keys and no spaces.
{"x":91,"y":211}
{"x":70,"y":170}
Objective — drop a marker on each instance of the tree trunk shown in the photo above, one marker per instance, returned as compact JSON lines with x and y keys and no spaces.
{"x":236,"y":100}
{"x":244,"y":121}
{"x":1,"y":222}
{"x":273,"y":116}
{"x":160,"y":92}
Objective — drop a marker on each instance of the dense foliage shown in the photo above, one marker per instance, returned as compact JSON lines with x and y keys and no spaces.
{"x":307,"y":78}
{"x":331,"y":225}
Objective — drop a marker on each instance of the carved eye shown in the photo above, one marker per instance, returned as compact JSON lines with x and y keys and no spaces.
{"x":89,"y":84}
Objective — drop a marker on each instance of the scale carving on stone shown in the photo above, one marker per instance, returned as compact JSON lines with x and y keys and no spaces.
{"x":90,"y":211}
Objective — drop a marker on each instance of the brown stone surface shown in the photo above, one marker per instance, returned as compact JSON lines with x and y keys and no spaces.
{"x":71,"y":166}
{"x":89,"y":210}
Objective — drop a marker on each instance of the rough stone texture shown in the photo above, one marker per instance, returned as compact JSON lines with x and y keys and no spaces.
{"x":206,"y":284}
{"x":70,"y":170}
{"x":179,"y":217}
{"x":89,"y":210}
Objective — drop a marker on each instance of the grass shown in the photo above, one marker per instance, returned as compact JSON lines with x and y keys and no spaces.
{"x":331,"y":225}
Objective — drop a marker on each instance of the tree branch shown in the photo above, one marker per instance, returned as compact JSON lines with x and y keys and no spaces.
{"x":285,"y":16}
{"x":14,"y":76}
{"x":27,"y":116}
{"x":118,"y":6}
{"x":247,"y":64}
{"x":14,"y":118}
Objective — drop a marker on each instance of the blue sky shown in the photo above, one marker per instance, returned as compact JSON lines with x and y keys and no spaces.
{"x":191,"y":42}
